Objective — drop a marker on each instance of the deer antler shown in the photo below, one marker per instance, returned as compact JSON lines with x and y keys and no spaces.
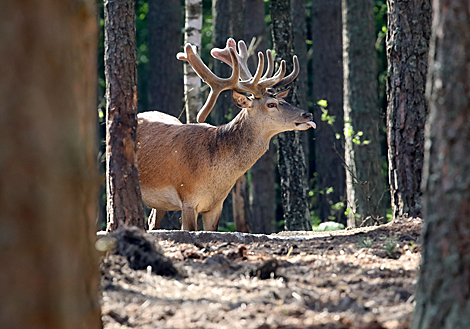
{"x":277,"y":81}
{"x":216,"y":84}
{"x":255,"y":85}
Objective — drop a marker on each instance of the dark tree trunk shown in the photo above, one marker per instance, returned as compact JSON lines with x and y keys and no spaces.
{"x":49,"y":275}
{"x":299,"y":32}
{"x":240,"y":191}
{"x":166,"y":72}
{"x":123,"y":188}
{"x":443,"y":290}
{"x":221,"y":32}
{"x":364,"y":179}
{"x":262,"y":193}
{"x":409,"y":31}
{"x":224,"y":104}
{"x":292,"y":168}
{"x":328,"y":85}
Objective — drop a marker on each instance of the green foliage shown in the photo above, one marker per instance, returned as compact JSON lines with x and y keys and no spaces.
{"x":365,"y":242}
{"x":390,"y":246}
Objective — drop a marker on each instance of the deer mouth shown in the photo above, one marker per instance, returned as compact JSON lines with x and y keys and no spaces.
{"x":305,"y":125}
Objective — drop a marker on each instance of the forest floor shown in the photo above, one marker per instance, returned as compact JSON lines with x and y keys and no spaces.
{"x":341,"y":279}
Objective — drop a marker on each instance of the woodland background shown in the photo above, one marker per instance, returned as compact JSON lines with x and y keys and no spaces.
{"x":317,"y":33}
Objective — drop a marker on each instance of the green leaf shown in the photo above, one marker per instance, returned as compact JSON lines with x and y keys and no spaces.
{"x":322,"y":103}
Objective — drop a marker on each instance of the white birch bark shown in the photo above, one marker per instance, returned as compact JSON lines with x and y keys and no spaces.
{"x":192,"y":82}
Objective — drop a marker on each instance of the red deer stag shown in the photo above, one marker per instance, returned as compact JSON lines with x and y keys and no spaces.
{"x":192,"y":167}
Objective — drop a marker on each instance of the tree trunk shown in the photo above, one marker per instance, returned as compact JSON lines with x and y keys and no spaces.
{"x":240,"y":190}
{"x":409,"y":31}
{"x":166,"y":72}
{"x":123,"y":187}
{"x":292,"y":168}
{"x":443,"y":290}
{"x":262,"y":194}
{"x":192,"y":82}
{"x":328,"y":85}
{"x":224,"y":104}
{"x":364,"y":180}
{"x":48,"y":179}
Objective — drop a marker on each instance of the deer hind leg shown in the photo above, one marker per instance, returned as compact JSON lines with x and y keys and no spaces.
{"x":211,"y":218}
{"x":189,"y":218}
{"x":155,"y":218}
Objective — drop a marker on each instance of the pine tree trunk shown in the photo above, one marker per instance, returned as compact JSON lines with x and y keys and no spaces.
{"x":261,"y":191}
{"x":123,"y":187}
{"x":192,"y":82}
{"x":443,"y":290}
{"x":240,"y":194}
{"x":166,"y":72}
{"x":328,"y":85}
{"x":409,"y":31}
{"x":292,"y":168}
{"x":49,"y":275}
{"x":364,"y":180}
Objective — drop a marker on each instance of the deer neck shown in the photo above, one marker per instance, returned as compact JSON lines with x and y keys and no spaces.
{"x":242,"y":141}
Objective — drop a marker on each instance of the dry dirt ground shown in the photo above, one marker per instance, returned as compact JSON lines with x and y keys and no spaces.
{"x":226,"y":280}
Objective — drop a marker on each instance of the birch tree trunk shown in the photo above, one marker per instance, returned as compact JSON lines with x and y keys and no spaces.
{"x":125,"y":206}
{"x":408,"y":34}
{"x":364,"y":180}
{"x":292,"y":168}
{"x":443,"y":290}
{"x":192,"y":82}
{"x":49,"y":277}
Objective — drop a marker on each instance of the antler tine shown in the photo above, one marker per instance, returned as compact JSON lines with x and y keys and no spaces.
{"x":270,"y":69}
{"x":277,"y":78}
{"x":295,"y":72}
{"x":242,"y":56}
{"x":216,"y":84}
{"x":243,"y":52}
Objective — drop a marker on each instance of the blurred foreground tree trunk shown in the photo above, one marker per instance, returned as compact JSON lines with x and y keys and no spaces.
{"x":328,"y":85}
{"x":120,"y":57}
{"x":443,"y":290}
{"x":48,"y":179}
{"x":292,"y":168}
{"x":262,"y":194}
{"x":165,"y":41}
{"x":192,"y":82}
{"x":408,"y":34}
{"x":364,"y":179}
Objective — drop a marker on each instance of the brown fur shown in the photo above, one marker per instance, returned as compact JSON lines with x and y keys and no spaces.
{"x":193,"y":167}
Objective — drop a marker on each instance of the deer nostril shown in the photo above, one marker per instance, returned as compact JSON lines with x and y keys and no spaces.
{"x":307,"y":115}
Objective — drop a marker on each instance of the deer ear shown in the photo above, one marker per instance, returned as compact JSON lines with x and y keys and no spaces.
{"x":282,"y":94}
{"x":241,"y":100}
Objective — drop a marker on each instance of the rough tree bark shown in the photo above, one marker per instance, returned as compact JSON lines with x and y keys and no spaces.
{"x":192,"y":82}
{"x":166,"y":72}
{"x":292,"y":168}
{"x":49,"y":275}
{"x":328,"y":85}
{"x":262,"y":194}
{"x":240,"y":197}
{"x":120,"y":57}
{"x":409,"y":31}
{"x":443,"y":290}
{"x":224,"y":104}
{"x":364,"y":180}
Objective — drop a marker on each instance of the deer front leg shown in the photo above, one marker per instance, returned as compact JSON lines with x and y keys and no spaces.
{"x":211,"y":218}
{"x":155,"y":218}
{"x":189,"y":218}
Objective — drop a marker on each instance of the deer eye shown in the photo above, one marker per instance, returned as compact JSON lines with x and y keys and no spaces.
{"x":271,"y":105}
